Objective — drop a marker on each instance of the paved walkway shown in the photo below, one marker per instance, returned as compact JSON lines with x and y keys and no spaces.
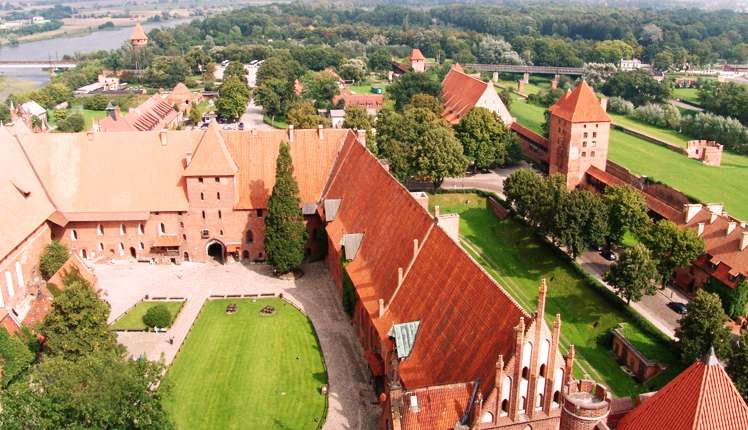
{"x":352,"y":402}
{"x":684,"y":105}
{"x":253,"y":117}
{"x":492,"y":181}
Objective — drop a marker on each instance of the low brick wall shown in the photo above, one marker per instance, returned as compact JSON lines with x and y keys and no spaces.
{"x":648,"y":138}
{"x":496,"y":208}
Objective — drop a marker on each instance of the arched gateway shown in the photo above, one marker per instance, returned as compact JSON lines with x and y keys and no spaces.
{"x":217,"y":250}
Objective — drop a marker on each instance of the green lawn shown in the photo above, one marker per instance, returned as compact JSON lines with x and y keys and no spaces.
{"x":659,"y":163}
{"x":278,"y":123}
{"x":688,"y":95}
{"x":365,"y":87}
{"x":247,"y":371}
{"x":664,"y":134}
{"x":518,"y":260}
{"x":133,"y":319}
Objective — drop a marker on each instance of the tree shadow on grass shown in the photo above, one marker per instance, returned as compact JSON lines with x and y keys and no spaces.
{"x":320,"y":377}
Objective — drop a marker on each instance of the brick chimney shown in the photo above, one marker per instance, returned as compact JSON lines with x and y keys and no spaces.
{"x":400,"y":276}
{"x":744,"y":240}
{"x":361,"y":136}
{"x":290,"y":132}
{"x":604,"y":103}
{"x":187,"y":158}
{"x":730,"y":227}
{"x":162,"y":137}
{"x":700,"y":229}
{"x":319,"y":131}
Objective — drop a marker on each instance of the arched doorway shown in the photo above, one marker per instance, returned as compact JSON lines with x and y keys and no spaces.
{"x":245,"y":255}
{"x":133,"y":253}
{"x":217,"y":250}
{"x":186,"y":256}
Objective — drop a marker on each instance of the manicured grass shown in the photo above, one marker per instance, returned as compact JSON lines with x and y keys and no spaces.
{"x":247,"y":371}
{"x":133,"y":319}
{"x":664,"y":134}
{"x":645,"y":344}
{"x":278,"y":123}
{"x":518,"y":260}
{"x":688,"y":95}
{"x":726,"y":184}
{"x":365,"y":87}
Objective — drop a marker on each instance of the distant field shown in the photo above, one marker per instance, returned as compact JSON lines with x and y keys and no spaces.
{"x":726,"y":184}
{"x":688,"y":95}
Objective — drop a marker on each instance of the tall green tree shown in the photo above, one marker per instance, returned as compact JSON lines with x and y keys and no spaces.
{"x":638,"y":87}
{"x":302,"y":114}
{"x":320,"y":88}
{"x":357,"y":118}
{"x":703,"y":327}
{"x":425,"y":101}
{"x":737,"y":367}
{"x":627,"y":211}
{"x":77,"y":323}
{"x":634,"y":274}
{"x":673,"y":247}
{"x":54,"y":256}
{"x":285,"y":234}
{"x":485,"y":139}
{"x":237,"y":69}
{"x":410,"y":84}
{"x":15,"y":357}
{"x":436,"y":155}
{"x":523,"y":190}
{"x":233,"y":97}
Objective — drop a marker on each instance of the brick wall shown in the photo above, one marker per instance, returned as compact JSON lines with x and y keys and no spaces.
{"x":19,"y":270}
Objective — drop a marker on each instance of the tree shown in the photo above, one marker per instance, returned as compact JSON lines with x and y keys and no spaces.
{"x":320,"y":87}
{"x":672,"y":246}
{"x":703,"y":327}
{"x":73,"y":123}
{"x":237,"y":69}
{"x":522,"y":190}
{"x":302,"y":114}
{"x":410,"y":84}
{"x":737,"y":366}
{"x":633,"y":275}
{"x":195,"y":116}
{"x":357,"y":118}
{"x":15,"y":357}
{"x":157,"y":316}
{"x":485,"y":138}
{"x":611,"y":51}
{"x":77,"y":323}
{"x":380,"y":60}
{"x":627,"y":211}
{"x":638,"y":87}
{"x":233,"y":97}
{"x":391,"y":142}
{"x":97,"y":390}
{"x":579,"y":221}
{"x":166,"y":71}
{"x":437,"y":154}
{"x":353,"y":70}
{"x":54,"y":256}
{"x":425,"y":101}
{"x":285,"y":234}
{"x":274,"y":95}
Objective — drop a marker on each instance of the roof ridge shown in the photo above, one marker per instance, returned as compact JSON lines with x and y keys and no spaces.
{"x":421,"y":244}
{"x":17,"y":139}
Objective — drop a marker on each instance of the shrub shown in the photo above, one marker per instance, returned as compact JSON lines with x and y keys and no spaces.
{"x":546,"y":97}
{"x":661,"y":115}
{"x":727,"y":131}
{"x":95,"y":102}
{"x":620,"y":105}
{"x":73,"y":123}
{"x":54,"y":256}
{"x":157,"y":316}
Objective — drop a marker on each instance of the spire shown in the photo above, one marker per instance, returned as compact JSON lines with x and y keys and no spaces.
{"x":541,"y":301}
{"x":710,"y":359}
{"x":580,"y":105}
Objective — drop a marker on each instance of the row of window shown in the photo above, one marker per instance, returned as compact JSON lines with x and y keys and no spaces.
{"x":9,"y":283}
{"x":122,"y":230}
{"x":218,"y":195}
{"x":584,"y":154}
{"x":201,"y":180}
{"x":594,"y":133}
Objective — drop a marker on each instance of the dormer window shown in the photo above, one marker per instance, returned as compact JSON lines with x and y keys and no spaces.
{"x":200,"y":180}
{"x":161,"y":228}
{"x":73,"y":235}
{"x":141,"y":229}
{"x":122,"y":229}
{"x":99,"y":230}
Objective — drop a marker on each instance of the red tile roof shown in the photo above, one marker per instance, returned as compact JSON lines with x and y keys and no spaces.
{"x":460,"y":93}
{"x":375,"y":204}
{"x":702,"y":397}
{"x":466,"y":319}
{"x":439,"y":408}
{"x":138,"y":33}
{"x":721,"y":248}
{"x":73,"y":263}
{"x":369,"y":101}
{"x":529,"y":134}
{"x":580,"y":105}
{"x":211,"y":157}
{"x":153,"y":114}
{"x":416,"y":54}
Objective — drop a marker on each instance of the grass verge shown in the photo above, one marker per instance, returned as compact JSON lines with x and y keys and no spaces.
{"x":133,"y":318}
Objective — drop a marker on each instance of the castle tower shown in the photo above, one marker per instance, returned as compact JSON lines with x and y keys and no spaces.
{"x":417,"y":61}
{"x":138,"y":39}
{"x":579,"y":130}
{"x":585,"y":404}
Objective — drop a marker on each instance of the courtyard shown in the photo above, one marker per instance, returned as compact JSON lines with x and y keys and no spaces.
{"x":233,"y":344}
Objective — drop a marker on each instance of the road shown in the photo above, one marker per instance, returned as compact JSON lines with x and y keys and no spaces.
{"x":252,"y":117}
{"x":653,"y":308}
{"x":680,"y":104}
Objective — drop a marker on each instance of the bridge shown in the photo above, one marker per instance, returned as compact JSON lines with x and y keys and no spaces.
{"x":518,"y":68}
{"x":37,"y":64}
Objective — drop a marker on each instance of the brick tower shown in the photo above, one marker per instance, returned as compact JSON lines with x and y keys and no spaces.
{"x":585,"y":405}
{"x":138,"y":39}
{"x":417,"y":61}
{"x":579,"y":130}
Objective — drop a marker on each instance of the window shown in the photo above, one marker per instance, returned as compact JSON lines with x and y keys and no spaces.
{"x":204,"y":234}
{"x":161,"y":228}
{"x":203,"y":214}
{"x":141,"y":228}
{"x":220,"y":232}
{"x":101,"y":247}
{"x":584,"y":154}
{"x":597,"y":125}
{"x":259,"y":213}
{"x":202,"y":196}
{"x":218,"y":179}
{"x":250,"y":236}
{"x":219,"y":214}
{"x":592,"y":153}
{"x":141,"y":246}
{"x":99,"y":229}
{"x":218,"y":196}
{"x":200,"y":180}
{"x":181,"y":224}
{"x":184,"y":236}
{"x":84,"y":254}
{"x":585,"y":135}
{"x":584,"y":143}
{"x":122,"y":229}
{"x":594,"y":134}
{"x":585,"y":126}
{"x":121,"y":248}
{"x":594,"y":143}
{"x":73,"y":235}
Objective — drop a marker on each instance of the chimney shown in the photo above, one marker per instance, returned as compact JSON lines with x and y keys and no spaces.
{"x":319,"y":131}
{"x":400,"y":276}
{"x":731,"y":227}
{"x":162,"y":137}
{"x":436,"y":211}
{"x":414,"y":403}
{"x":715,"y":207}
{"x":290,"y":132}
{"x":604,"y":103}
{"x":381,"y":308}
{"x":187,"y":158}
{"x":415,"y":247}
{"x":700,"y":229}
{"x":361,"y":136}
{"x":713,"y":217}
{"x":744,"y":240}
{"x":690,"y":211}
{"x":90,"y":135}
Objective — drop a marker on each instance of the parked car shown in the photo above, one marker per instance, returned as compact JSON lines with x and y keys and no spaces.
{"x":241,"y":126}
{"x":609,"y":255}
{"x":678,"y":307}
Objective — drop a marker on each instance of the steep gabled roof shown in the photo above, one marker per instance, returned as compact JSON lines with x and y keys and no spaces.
{"x":138,"y":33}
{"x":702,"y":397}
{"x":25,"y":205}
{"x":580,"y":105}
{"x":439,"y":408}
{"x":153,"y":114}
{"x":462,"y":92}
{"x":211,"y":156}
{"x":416,"y":54}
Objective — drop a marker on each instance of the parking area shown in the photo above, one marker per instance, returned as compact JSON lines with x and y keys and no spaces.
{"x":352,"y":402}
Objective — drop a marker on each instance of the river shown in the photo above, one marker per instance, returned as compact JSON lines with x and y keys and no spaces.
{"x":26,"y":79}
